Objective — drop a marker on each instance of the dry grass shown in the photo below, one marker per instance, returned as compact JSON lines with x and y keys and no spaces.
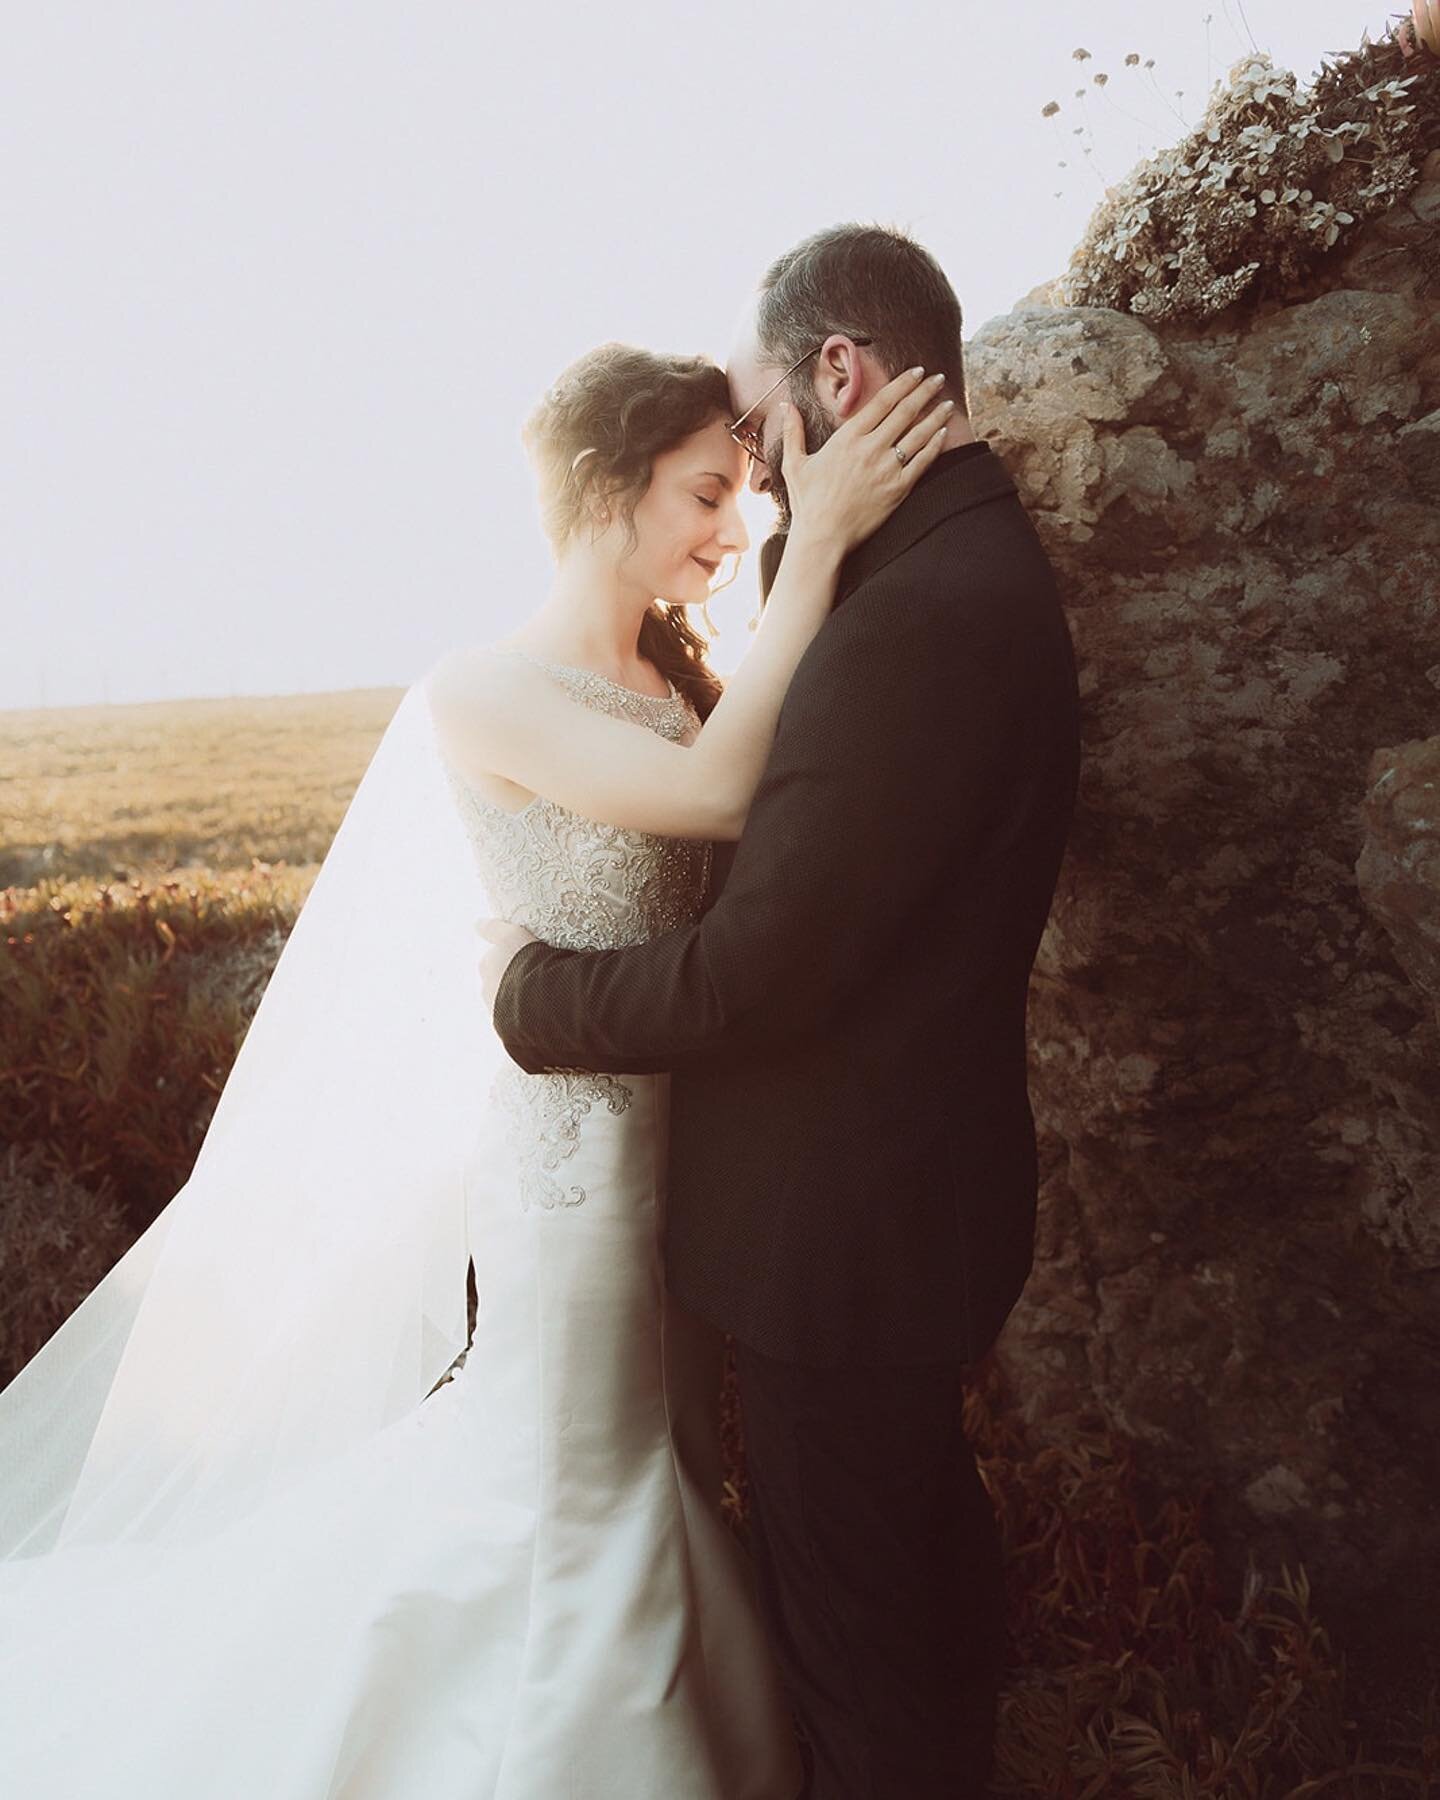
{"x":123,"y":1007}
{"x":115,"y":791}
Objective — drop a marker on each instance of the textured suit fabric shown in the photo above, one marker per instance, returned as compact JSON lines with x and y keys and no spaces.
{"x":878,"y":1565}
{"x":852,"y":1173}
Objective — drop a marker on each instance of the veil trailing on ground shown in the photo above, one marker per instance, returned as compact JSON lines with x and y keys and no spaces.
{"x":307,"y":1285}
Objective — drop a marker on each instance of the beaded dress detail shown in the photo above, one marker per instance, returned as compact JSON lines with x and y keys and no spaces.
{"x":582,"y":885}
{"x":573,"y":881}
{"x":525,"y":1586}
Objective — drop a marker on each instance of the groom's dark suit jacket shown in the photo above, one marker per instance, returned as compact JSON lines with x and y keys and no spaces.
{"x":852,"y":1171}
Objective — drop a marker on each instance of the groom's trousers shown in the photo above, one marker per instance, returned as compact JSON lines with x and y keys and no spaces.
{"x":877,"y":1560}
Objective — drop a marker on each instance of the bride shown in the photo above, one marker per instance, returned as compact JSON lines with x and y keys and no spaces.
{"x":269,"y":1530}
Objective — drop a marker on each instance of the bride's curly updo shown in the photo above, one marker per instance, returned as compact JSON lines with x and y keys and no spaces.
{"x":593,"y":440}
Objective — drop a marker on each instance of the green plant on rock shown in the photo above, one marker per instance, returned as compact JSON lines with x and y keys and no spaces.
{"x":1271,"y":180}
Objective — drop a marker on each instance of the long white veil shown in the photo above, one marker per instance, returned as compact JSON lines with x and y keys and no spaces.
{"x":307,"y":1285}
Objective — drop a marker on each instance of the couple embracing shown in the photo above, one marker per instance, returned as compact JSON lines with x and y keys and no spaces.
{"x":759,"y":955}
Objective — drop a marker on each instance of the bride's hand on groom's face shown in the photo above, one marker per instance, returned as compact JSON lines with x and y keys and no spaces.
{"x":505,"y":939}
{"x":865,"y":468}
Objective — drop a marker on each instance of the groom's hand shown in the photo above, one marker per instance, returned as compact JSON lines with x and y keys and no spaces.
{"x":506,"y":939}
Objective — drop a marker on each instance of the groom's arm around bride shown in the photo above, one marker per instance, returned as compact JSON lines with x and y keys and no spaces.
{"x":846,"y":1021}
{"x":852,"y":1168}
{"x":852,"y":1159}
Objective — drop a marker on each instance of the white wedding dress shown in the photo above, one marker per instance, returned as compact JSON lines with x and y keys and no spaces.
{"x":524,"y":1589}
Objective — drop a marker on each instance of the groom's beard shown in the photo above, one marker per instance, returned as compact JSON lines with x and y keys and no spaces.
{"x":817,"y":430}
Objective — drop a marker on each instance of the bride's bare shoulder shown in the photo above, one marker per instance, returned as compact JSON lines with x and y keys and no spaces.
{"x":468,"y":673}
{"x":484,"y":703}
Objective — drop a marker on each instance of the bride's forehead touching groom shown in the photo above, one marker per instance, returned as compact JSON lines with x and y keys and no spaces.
{"x":851,"y":1165}
{"x":758,"y":1068}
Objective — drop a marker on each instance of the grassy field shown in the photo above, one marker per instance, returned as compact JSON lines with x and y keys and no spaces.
{"x":152,"y":859}
{"x":113,"y":791}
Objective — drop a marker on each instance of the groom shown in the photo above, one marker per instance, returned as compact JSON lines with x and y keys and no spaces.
{"x":852,"y":1172}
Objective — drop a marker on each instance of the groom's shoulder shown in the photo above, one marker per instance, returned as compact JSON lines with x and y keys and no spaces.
{"x":939,"y":589}
{"x":894,"y":642}
{"x":935,"y":619}
{"x":969,"y":529}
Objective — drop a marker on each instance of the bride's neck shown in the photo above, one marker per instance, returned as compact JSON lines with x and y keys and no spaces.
{"x":592,"y":614}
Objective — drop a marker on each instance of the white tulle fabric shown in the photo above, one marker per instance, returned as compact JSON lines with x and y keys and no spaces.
{"x":248,"y":1547}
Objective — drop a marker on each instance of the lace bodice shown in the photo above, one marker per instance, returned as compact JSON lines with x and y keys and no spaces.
{"x":582,"y":885}
{"x":573,"y":881}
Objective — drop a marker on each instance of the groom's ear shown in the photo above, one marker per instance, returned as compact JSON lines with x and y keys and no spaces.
{"x":840,"y":377}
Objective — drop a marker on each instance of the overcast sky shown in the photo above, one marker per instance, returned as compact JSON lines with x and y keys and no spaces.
{"x":282,"y":281}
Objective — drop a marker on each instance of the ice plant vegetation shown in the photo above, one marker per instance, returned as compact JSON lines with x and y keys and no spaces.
{"x":1273,"y":177}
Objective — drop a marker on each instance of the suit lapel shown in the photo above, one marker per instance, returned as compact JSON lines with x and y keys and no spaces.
{"x":953,"y":485}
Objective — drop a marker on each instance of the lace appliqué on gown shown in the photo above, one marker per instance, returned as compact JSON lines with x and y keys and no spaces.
{"x":581,"y":885}
{"x":544,"y":1114}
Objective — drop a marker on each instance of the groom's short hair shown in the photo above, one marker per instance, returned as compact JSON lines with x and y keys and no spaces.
{"x":868,"y":281}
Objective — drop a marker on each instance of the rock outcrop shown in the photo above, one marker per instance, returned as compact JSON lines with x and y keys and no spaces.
{"x":1235,"y":1017}
{"x":1399,"y":867}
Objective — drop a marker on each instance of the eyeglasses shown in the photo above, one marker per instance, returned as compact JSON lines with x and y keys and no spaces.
{"x":750,"y":438}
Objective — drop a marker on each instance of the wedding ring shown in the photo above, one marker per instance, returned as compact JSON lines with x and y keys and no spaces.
{"x":900,"y":453}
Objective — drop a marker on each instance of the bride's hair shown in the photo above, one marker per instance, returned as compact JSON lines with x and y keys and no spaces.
{"x":595,"y":435}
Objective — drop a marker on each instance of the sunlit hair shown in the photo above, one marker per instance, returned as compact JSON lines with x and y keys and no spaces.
{"x":870,"y":281}
{"x":593,"y":440}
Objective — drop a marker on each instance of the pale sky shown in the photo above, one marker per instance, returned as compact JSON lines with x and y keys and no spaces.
{"x":282,"y":281}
